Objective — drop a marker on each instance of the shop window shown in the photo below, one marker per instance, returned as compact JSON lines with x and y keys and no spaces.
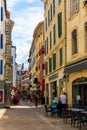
{"x":1,"y":95}
{"x":74,"y":42}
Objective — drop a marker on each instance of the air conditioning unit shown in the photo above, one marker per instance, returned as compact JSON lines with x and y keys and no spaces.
{"x":85,"y":2}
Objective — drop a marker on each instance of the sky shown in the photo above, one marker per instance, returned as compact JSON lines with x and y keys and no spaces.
{"x":26,"y":15}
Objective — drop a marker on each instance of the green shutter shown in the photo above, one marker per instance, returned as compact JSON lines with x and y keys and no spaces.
{"x":54,"y":33}
{"x":59,"y":1}
{"x":47,"y":45}
{"x":50,"y":40}
{"x":53,"y":7}
{"x":59,"y":24}
{"x":54,"y":61}
{"x":61,"y":56}
{"x":46,"y":69}
{"x":50,"y":65}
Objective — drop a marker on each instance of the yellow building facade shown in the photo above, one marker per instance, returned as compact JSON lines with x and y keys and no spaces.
{"x":76,"y":52}
{"x":54,"y":42}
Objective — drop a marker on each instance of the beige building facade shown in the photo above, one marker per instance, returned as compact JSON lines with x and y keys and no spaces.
{"x":54,"y":42}
{"x":76,"y":52}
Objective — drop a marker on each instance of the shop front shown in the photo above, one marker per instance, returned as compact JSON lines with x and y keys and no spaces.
{"x":79,"y":92}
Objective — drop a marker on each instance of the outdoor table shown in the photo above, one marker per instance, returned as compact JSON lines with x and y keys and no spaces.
{"x":71,"y":113}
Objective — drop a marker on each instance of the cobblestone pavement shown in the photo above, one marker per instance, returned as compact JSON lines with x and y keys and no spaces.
{"x":28,"y":117}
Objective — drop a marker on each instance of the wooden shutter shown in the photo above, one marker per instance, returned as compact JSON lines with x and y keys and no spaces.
{"x":59,"y":24}
{"x":1,"y":66}
{"x":61,"y":56}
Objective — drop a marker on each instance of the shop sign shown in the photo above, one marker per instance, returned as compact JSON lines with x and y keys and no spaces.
{"x":53,"y":76}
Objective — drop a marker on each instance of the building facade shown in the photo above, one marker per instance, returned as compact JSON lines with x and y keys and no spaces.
{"x":54,"y":42}
{"x":76,"y":52}
{"x":14,"y":70}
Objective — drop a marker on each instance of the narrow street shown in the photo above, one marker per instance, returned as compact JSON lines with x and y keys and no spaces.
{"x":27,"y":117}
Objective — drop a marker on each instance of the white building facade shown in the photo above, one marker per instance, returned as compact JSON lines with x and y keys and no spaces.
{"x":14,"y":73}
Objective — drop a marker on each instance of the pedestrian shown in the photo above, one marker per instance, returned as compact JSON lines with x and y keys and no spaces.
{"x":63,"y":102}
{"x":36,"y":99}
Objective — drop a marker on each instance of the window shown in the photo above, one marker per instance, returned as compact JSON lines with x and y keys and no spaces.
{"x":46,"y":46}
{"x":50,"y":40}
{"x":1,"y":67}
{"x":1,"y":14}
{"x":1,"y":41}
{"x":46,"y":24}
{"x":51,"y":12}
{"x":74,"y":6}
{"x":46,"y":69}
{"x":50,"y":64}
{"x":53,"y":7}
{"x":86,"y":35}
{"x":59,"y":1}
{"x":74,"y":42}
{"x":54,"y":34}
{"x":59,"y":24}
{"x":48,"y":17}
{"x":61,"y":57}
{"x":54,"y":61}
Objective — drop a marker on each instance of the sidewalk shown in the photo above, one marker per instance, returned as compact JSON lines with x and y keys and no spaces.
{"x":55,"y":120}
{"x":2,"y":111}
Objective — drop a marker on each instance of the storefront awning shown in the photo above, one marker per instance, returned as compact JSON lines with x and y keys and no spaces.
{"x":80,"y":65}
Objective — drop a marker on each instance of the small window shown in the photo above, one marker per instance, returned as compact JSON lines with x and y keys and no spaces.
{"x":1,"y":41}
{"x":1,"y":67}
{"x":59,"y":1}
{"x":86,"y":35}
{"x":59,"y":24}
{"x":61,"y":56}
{"x":74,"y":42}
{"x":54,"y":61}
{"x":50,"y":65}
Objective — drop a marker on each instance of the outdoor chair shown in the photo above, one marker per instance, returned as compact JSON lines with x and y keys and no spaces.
{"x":48,"y":109}
{"x":77,"y":119}
{"x":67,"y":116}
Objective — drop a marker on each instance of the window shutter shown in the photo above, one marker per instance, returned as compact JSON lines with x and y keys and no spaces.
{"x":76,"y":5}
{"x":1,"y":41}
{"x":54,"y":61}
{"x":47,"y":45}
{"x":1,"y":13}
{"x":54,"y":33}
{"x":1,"y":66}
{"x":60,"y":56}
{"x":59,"y":24}
{"x":59,"y":1}
{"x":50,"y":40}
{"x":53,"y":7}
{"x":69,"y":9}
